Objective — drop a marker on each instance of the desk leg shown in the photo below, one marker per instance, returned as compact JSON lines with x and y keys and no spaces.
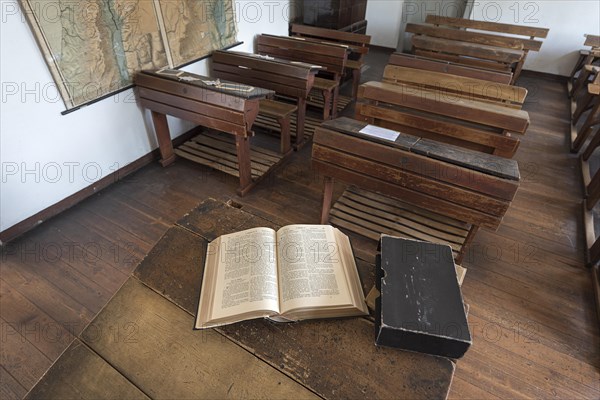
{"x":242,"y":145}
{"x":355,"y":82}
{"x":164,"y":138}
{"x":285,"y":145}
{"x":326,"y":104}
{"x":327,"y":197}
{"x":334,"y":105}
{"x":300,"y":117}
{"x":470,"y":235}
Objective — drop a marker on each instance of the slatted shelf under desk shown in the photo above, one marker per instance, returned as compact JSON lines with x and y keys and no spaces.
{"x":370,"y":214}
{"x":218,"y":151}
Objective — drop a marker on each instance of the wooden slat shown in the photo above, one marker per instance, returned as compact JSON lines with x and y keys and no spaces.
{"x":331,"y":34}
{"x":428,"y":100}
{"x":431,"y":203}
{"x":467,"y":61}
{"x":473,"y":88}
{"x":155,"y":333}
{"x":484,"y":52}
{"x":437,"y":65}
{"x":444,"y":131}
{"x":277,"y":109}
{"x":219,"y":151}
{"x":592,"y":40}
{"x":398,"y":176}
{"x":197,"y":107}
{"x":190,"y":92}
{"x":369,"y":214}
{"x":451,"y":171}
{"x":509,"y":42}
{"x":199,"y":119}
{"x":295,"y":74}
{"x":487,"y":26}
{"x":81,"y":374}
{"x":332,"y":57}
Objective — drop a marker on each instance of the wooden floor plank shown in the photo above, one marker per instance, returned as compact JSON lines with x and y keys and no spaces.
{"x":24,"y":362}
{"x":46,"y":334}
{"x":154,"y":333}
{"x":81,"y":374}
{"x":10,"y":389}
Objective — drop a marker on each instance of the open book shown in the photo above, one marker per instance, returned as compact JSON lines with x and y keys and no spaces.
{"x":298,"y":272}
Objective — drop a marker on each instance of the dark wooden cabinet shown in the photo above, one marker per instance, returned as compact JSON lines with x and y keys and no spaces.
{"x":345,"y":15}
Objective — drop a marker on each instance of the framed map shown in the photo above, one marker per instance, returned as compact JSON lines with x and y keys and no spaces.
{"x":94,"y":47}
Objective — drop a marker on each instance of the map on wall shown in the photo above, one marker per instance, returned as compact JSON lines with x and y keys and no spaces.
{"x":95,"y":47}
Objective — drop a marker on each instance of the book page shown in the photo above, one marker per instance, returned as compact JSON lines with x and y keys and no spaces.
{"x":246,"y":273}
{"x":311,"y":272}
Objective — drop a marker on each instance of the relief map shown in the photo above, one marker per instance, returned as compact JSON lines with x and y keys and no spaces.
{"x":95,"y":47}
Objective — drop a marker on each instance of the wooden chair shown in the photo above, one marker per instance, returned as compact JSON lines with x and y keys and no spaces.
{"x":472,"y":124}
{"x":437,"y":65}
{"x":512,"y":37}
{"x":411,"y":187}
{"x":331,"y":57}
{"x":358,"y":44}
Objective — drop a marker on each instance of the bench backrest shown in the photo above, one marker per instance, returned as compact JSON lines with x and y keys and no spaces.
{"x":359,"y":43}
{"x":436,"y":65}
{"x":468,"y":186}
{"x":521,"y":30}
{"x":429,"y":113}
{"x":286,"y":79}
{"x":479,"y":55}
{"x":592,"y":40}
{"x":509,"y":42}
{"x":332,"y":57}
{"x":468,"y":88}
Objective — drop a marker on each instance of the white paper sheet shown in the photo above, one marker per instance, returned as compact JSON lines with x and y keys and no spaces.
{"x":381,"y":133}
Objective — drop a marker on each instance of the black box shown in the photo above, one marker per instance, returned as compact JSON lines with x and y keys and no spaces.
{"x":420,"y":307}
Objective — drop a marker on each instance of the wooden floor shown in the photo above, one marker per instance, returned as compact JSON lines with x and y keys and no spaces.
{"x":534,"y":323}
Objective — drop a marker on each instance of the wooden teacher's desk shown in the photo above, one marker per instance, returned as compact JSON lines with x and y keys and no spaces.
{"x":228,"y":107}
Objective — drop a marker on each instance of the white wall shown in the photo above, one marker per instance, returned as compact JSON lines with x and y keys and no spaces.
{"x":567,"y":20}
{"x":46,"y":157}
{"x":383,"y":22}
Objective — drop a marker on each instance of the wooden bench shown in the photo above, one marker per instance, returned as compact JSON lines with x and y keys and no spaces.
{"x":513,"y":36}
{"x":472,"y":124}
{"x":331,"y":57}
{"x":437,"y":65}
{"x":291,"y":80}
{"x":228,"y":108}
{"x":586,"y":57}
{"x":358,"y":44}
{"x":587,"y":101}
{"x":459,"y":190}
{"x":463,"y":87}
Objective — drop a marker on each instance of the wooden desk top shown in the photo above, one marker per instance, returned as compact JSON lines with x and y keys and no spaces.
{"x":228,"y":87}
{"x":487,"y":163}
{"x":266,"y":58}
